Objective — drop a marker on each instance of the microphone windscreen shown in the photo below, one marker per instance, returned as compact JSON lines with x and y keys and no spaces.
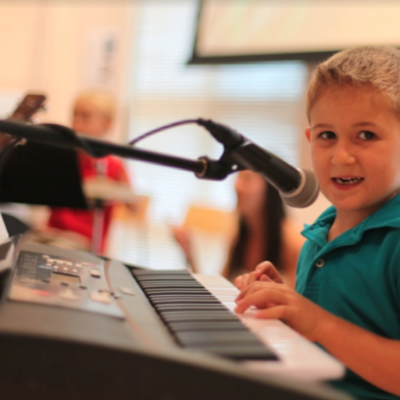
{"x":306,"y":193}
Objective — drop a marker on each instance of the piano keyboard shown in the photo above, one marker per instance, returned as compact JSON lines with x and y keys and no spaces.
{"x":171,"y":313}
{"x":298,"y":358}
{"x":197,"y":319}
{"x":199,"y":312}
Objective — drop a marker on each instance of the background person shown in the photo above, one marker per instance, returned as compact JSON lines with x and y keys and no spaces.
{"x":93,"y":114}
{"x":264,"y":231}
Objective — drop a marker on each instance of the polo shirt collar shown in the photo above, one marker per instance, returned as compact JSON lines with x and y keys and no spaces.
{"x":387,"y":216}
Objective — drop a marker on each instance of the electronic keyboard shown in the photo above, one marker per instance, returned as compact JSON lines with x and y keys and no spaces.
{"x":73,"y":325}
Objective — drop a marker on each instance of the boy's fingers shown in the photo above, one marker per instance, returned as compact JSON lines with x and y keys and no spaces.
{"x":245,"y":280}
{"x":276,"y":312}
{"x":244,"y":290}
{"x":257,"y":299}
{"x":241,"y":281}
{"x":263,"y":266}
{"x":261,"y":297}
{"x":267,"y":268}
{"x":253,"y":277}
{"x":265,"y":278}
{"x":255,"y":287}
{"x":264,"y":272}
{"x":237,"y":281}
{"x":241,"y":307}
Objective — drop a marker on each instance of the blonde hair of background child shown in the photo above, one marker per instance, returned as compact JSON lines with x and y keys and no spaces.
{"x":376,"y":67}
{"x":102,"y":100}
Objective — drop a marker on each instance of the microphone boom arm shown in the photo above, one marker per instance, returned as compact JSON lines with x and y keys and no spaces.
{"x":61,"y":136}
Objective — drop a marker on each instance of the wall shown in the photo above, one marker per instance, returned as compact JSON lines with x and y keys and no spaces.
{"x":55,"y":47}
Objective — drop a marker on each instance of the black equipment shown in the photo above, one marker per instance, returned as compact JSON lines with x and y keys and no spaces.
{"x":75,"y":326}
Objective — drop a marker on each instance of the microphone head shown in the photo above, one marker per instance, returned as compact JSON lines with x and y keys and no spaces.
{"x":305,"y":194}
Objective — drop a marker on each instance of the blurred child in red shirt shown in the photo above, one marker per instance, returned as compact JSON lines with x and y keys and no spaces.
{"x":93,"y":114}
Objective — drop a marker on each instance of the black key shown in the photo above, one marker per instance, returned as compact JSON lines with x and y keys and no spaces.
{"x":189,"y":291}
{"x":180,"y":326}
{"x":221,"y":337}
{"x":165,"y":298}
{"x":170,"y":272}
{"x":160,"y":278}
{"x":170,"y":284}
{"x":169,"y":317}
{"x":238,"y":352}
{"x":197,"y":319}
{"x":190,"y":306}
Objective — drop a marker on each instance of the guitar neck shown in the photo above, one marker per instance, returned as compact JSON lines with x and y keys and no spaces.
{"x":29,"y":105}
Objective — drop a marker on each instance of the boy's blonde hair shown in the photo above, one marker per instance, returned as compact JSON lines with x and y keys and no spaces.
{"x":376,"y":67}
{"x":102,"y":100}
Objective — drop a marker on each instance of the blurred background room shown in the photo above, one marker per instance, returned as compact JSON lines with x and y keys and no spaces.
{"x":151,"y":57}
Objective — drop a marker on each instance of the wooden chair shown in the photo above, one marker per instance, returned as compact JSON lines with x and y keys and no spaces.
{"x":211,"y":221}
{"x":211,"y":232}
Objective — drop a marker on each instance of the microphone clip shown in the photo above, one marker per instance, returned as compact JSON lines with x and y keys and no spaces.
{"x":215,"y":169}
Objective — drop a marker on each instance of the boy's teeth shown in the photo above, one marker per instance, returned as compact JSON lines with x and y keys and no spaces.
{"x":348,"y":181}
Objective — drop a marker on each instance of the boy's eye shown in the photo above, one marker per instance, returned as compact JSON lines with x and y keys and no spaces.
{"x":366,"y":135}
{"x":327,"y":135}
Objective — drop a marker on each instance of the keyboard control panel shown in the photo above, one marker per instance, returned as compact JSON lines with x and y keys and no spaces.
{"x":57,"y":278}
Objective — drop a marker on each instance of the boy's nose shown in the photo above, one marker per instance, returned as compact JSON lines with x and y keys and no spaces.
{"x":343,"y":154}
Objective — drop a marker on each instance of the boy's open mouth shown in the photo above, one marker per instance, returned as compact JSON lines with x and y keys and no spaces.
{"x":347,"y":181}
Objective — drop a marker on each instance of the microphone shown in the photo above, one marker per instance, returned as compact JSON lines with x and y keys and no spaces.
{"x":297,"y":187}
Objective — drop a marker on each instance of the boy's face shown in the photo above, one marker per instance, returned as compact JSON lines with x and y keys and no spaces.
{"x":88,"y":119}
{"x":355,"y":148}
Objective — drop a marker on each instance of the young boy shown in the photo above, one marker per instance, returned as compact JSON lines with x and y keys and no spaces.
{"x":347,"y":295}
{"x":93,"y":114}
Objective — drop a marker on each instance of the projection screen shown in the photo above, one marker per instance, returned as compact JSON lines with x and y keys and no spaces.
{"x":231,"y":31}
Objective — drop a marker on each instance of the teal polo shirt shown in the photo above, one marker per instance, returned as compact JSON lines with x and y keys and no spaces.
{"x":356,"y":276}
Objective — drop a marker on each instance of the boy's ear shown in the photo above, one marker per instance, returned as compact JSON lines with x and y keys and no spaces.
{"x":308,"y":133}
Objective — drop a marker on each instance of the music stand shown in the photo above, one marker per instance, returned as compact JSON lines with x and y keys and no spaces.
{"x":41,"y":175}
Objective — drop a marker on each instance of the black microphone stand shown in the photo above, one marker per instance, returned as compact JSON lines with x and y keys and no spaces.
{"x":61,"y":136}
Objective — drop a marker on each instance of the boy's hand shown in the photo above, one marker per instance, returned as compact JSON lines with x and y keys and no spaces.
{"x":281,"y":302}
{"x":264,"y":272}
